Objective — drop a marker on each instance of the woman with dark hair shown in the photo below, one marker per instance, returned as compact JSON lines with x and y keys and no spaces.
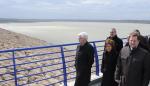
{"x":109,"y":62}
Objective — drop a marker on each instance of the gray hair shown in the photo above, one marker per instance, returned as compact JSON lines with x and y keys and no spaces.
{"x":83,"y":35}
{"x":134,"y":34}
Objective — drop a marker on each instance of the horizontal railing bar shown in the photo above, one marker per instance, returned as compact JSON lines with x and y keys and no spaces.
{"x":6,"y":80}
{"x":33,"y":48}
{"x":71,"y":78}
{"x":93,"y":71}
{"x":70,"y":61}
{"x":42,"y":72}
{"x":100,"y":55}
{"x":6,"y":59}
{"x":50,"y":46}
{"x":33,"y":62}
{"x":36,"y":67}
{"x":54,"y":83}
{"x":99,"y":59}
{"x":6,"y":73}
{"x":100,"y":50}
{"x":41,"y":80}
{"x":6,"y":66}
{"x":99,"y":46}
{"x":70,"y":66}
{"x":39,"y":47}
{"x":71,"y":72}
{"x":70,"y":55}
{"x":34,"y":74}
{"x":37,"y":55}
{"x":70,"y":50}
{"x":94,"y":66}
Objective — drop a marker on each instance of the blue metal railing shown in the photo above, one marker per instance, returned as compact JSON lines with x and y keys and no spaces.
{"x":56,"y":58}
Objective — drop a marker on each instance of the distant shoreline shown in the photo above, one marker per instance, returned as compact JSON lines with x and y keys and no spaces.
{"x":5,"y":20}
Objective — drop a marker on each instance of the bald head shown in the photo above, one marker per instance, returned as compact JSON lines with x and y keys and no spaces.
{"x":113,"y":32}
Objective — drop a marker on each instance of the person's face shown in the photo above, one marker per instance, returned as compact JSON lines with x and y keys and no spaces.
{"x":82,"y":40}
{"x":108,"y":47}
{"x":133,"y":41}
{"x":113,"y":33}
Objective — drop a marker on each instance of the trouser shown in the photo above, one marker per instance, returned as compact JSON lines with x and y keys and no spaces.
{"x":83,"y":75}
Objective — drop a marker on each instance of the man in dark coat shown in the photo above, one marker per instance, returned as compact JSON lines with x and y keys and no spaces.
{"x":118,"y":41}
{"x":144,"y":41}
{"x":149,"y":41}
{"x":133,"y":67}
{"x":83,"y":61}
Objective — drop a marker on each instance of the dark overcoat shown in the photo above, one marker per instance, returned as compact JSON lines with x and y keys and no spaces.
{"x":133,"y":67}
{"x":83,"y":63}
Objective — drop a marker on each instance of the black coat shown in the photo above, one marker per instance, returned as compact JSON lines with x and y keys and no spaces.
{"x":149,"y":41}
{"x":108,"y":67}
{"x":118,"y":43}
{"x":133,"y":67}
{"x":144,"y":43}
{"x":83,"y":63}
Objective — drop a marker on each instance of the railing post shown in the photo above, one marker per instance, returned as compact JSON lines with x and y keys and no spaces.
{"x":96,"y":59}
{"x":15,"y":71}
{"x":64,"y":66}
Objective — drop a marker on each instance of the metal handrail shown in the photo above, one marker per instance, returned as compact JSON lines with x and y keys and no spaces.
{"x":62,"y":57}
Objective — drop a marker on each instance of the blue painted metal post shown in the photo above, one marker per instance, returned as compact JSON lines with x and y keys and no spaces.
{"x":64,"y":66}
{"x":96,"y":59}
{"x":15,"y":71}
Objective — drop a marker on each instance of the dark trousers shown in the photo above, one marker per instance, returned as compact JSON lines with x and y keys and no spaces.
{"x":108,"y":79}
{"x":83,"y":76}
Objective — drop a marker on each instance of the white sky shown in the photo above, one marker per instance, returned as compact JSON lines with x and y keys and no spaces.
{"x":75,"y":9}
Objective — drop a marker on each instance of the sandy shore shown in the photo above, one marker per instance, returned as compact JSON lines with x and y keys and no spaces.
{"x":11,"y":40}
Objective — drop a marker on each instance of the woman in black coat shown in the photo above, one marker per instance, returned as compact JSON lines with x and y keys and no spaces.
{"x":109,"y":62}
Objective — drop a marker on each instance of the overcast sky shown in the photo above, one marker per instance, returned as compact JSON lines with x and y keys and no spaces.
{"x":76,"y":9}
